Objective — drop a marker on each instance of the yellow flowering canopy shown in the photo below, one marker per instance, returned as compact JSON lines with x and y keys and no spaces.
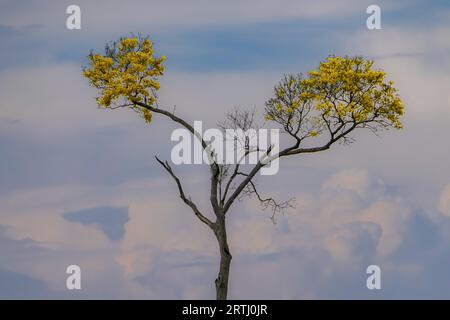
{"x":344,"y":93}
{"x":127,"y":73}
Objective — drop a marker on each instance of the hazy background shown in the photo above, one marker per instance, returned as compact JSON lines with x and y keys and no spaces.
{"x":79,"y":185}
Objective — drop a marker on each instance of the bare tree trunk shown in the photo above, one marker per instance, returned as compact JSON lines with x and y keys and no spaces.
{"x":225,"y":258}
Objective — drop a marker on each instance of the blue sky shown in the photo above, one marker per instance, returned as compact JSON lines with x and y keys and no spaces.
{"x":79,"y":185}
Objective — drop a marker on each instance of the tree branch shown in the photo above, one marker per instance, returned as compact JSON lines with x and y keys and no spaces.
{"x":286,"y":152}
{"x":266,"y":203}
{"x":186,"y":200}
{"x":242,"y":185}
{"x":214,"y":166}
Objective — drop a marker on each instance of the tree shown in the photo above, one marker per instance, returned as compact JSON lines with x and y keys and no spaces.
{"x":314,"y":111}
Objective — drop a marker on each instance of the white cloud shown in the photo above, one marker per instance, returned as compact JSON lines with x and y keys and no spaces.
{"x":167,"y":253}
{"x":444,"y":201}
{"x":353,"y":180}
{"x":393,"y":218}
{"x":356,"y":240}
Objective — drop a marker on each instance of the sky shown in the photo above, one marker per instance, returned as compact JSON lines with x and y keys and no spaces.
{"x":79,"y":185}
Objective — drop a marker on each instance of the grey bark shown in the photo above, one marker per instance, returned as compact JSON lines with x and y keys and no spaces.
{"x":221,"y":282}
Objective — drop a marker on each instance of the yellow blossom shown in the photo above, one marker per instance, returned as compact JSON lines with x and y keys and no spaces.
{"x":126,"y":74}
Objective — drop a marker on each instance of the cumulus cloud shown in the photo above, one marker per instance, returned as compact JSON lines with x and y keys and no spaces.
{"x":342,"y":212}
{"x":356,"y":239}
{"x":353,"y":180}
{"x":332,"y":235}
